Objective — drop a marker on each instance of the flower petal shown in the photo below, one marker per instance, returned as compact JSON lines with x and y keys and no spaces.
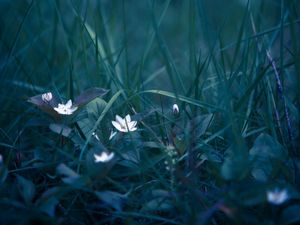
{"x":69,"y":104}
{"x":119,"y":120}
{"x":103,"y":157}
{"x":117,"y":125}
{"x":73,"y":109}
{"x":127,"y":118}
{"x":132,"y":124}
{"x":133,"y":129}
{"x":58,"y":109}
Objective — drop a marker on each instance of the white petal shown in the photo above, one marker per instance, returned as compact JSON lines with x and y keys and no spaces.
{"x":110,"y":156}
{"x":133,"y":129}
{"x":127,"y":118}
{"x":69,"y":104}
{"x":103,"y":157}
{"x":73,"y":109}
{"x":132,"y":124}
{"x":117,"y":125}
{"x":58,"y":109}
{"x":119,"y":119}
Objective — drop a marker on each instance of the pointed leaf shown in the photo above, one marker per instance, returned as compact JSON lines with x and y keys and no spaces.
{"x":45,"y":106}
{"x":290,"y":215}
{"x":89,"y":95}
{"x":26,"y":189}
{"x":199,"y":124}
{"x":60,"y":129}
{"x":69,"y":176}
{"x":111,"y":198}
{"x":264,"y":153}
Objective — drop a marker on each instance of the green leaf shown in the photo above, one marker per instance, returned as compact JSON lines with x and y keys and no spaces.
{"x":93,"y":112}
{"x":50,"y":198}
{"x":198,"y":125}
{"x":89,"y":95}
{"x":235,"y":167}
{"x":264,"y":153}
{"x":3,"y":174}
{"x":161,"y":204}
{"x":290,"y":215}
{"x":45,"y":106}
{"x":112,"y":199}
{"x":70,"y":177}
{"x":26,"y":189}
{"x":60,"y":129}
{"x":97,"y":123}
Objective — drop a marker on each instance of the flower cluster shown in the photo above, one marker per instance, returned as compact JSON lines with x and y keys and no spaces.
{"x":123,"y":125}
{"x":172,"y":157}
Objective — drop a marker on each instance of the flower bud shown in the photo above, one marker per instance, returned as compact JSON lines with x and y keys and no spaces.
{"x":175,"y":109}
{"x":47,"y":97}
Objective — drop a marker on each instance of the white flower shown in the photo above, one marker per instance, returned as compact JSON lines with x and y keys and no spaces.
{"x":124,"y":125}
{"x":47,"y":97}
{"x":66,"y":109}
{"x":112,"y":134}
{"x":103,"y":157}
{"x":175,"y":109}
{"x":277,"y":196}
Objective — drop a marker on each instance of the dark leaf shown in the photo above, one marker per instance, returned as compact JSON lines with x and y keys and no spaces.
{"x":89,"y":95}
{"x":199,"y":125}
{"x":235,"y":167}
{"x":290,"y":215}
{"x":69,"y":176}
{"x":3,"y":173}
{"x":111,"y":198}
{"x":26,"y":189}
{"x":44,"y":106}
{"x":60,"y":129}
{"x":49,"y":200}
{"x":264,"y":153}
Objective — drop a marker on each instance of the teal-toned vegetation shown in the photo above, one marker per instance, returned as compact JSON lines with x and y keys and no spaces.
{"x":149,"y":112}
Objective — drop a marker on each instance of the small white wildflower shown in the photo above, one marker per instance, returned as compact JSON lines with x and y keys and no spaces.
{"x":124,"y":125}
{"x":66,"y":109}
{"x":277,"y":196}
{"x":103,"y":157}
{"x":175,"y":109}
{"x":112,"y":134}
{"x":47,"y":97}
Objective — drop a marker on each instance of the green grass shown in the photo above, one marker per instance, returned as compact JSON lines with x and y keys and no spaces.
{"x":232,"y":67}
